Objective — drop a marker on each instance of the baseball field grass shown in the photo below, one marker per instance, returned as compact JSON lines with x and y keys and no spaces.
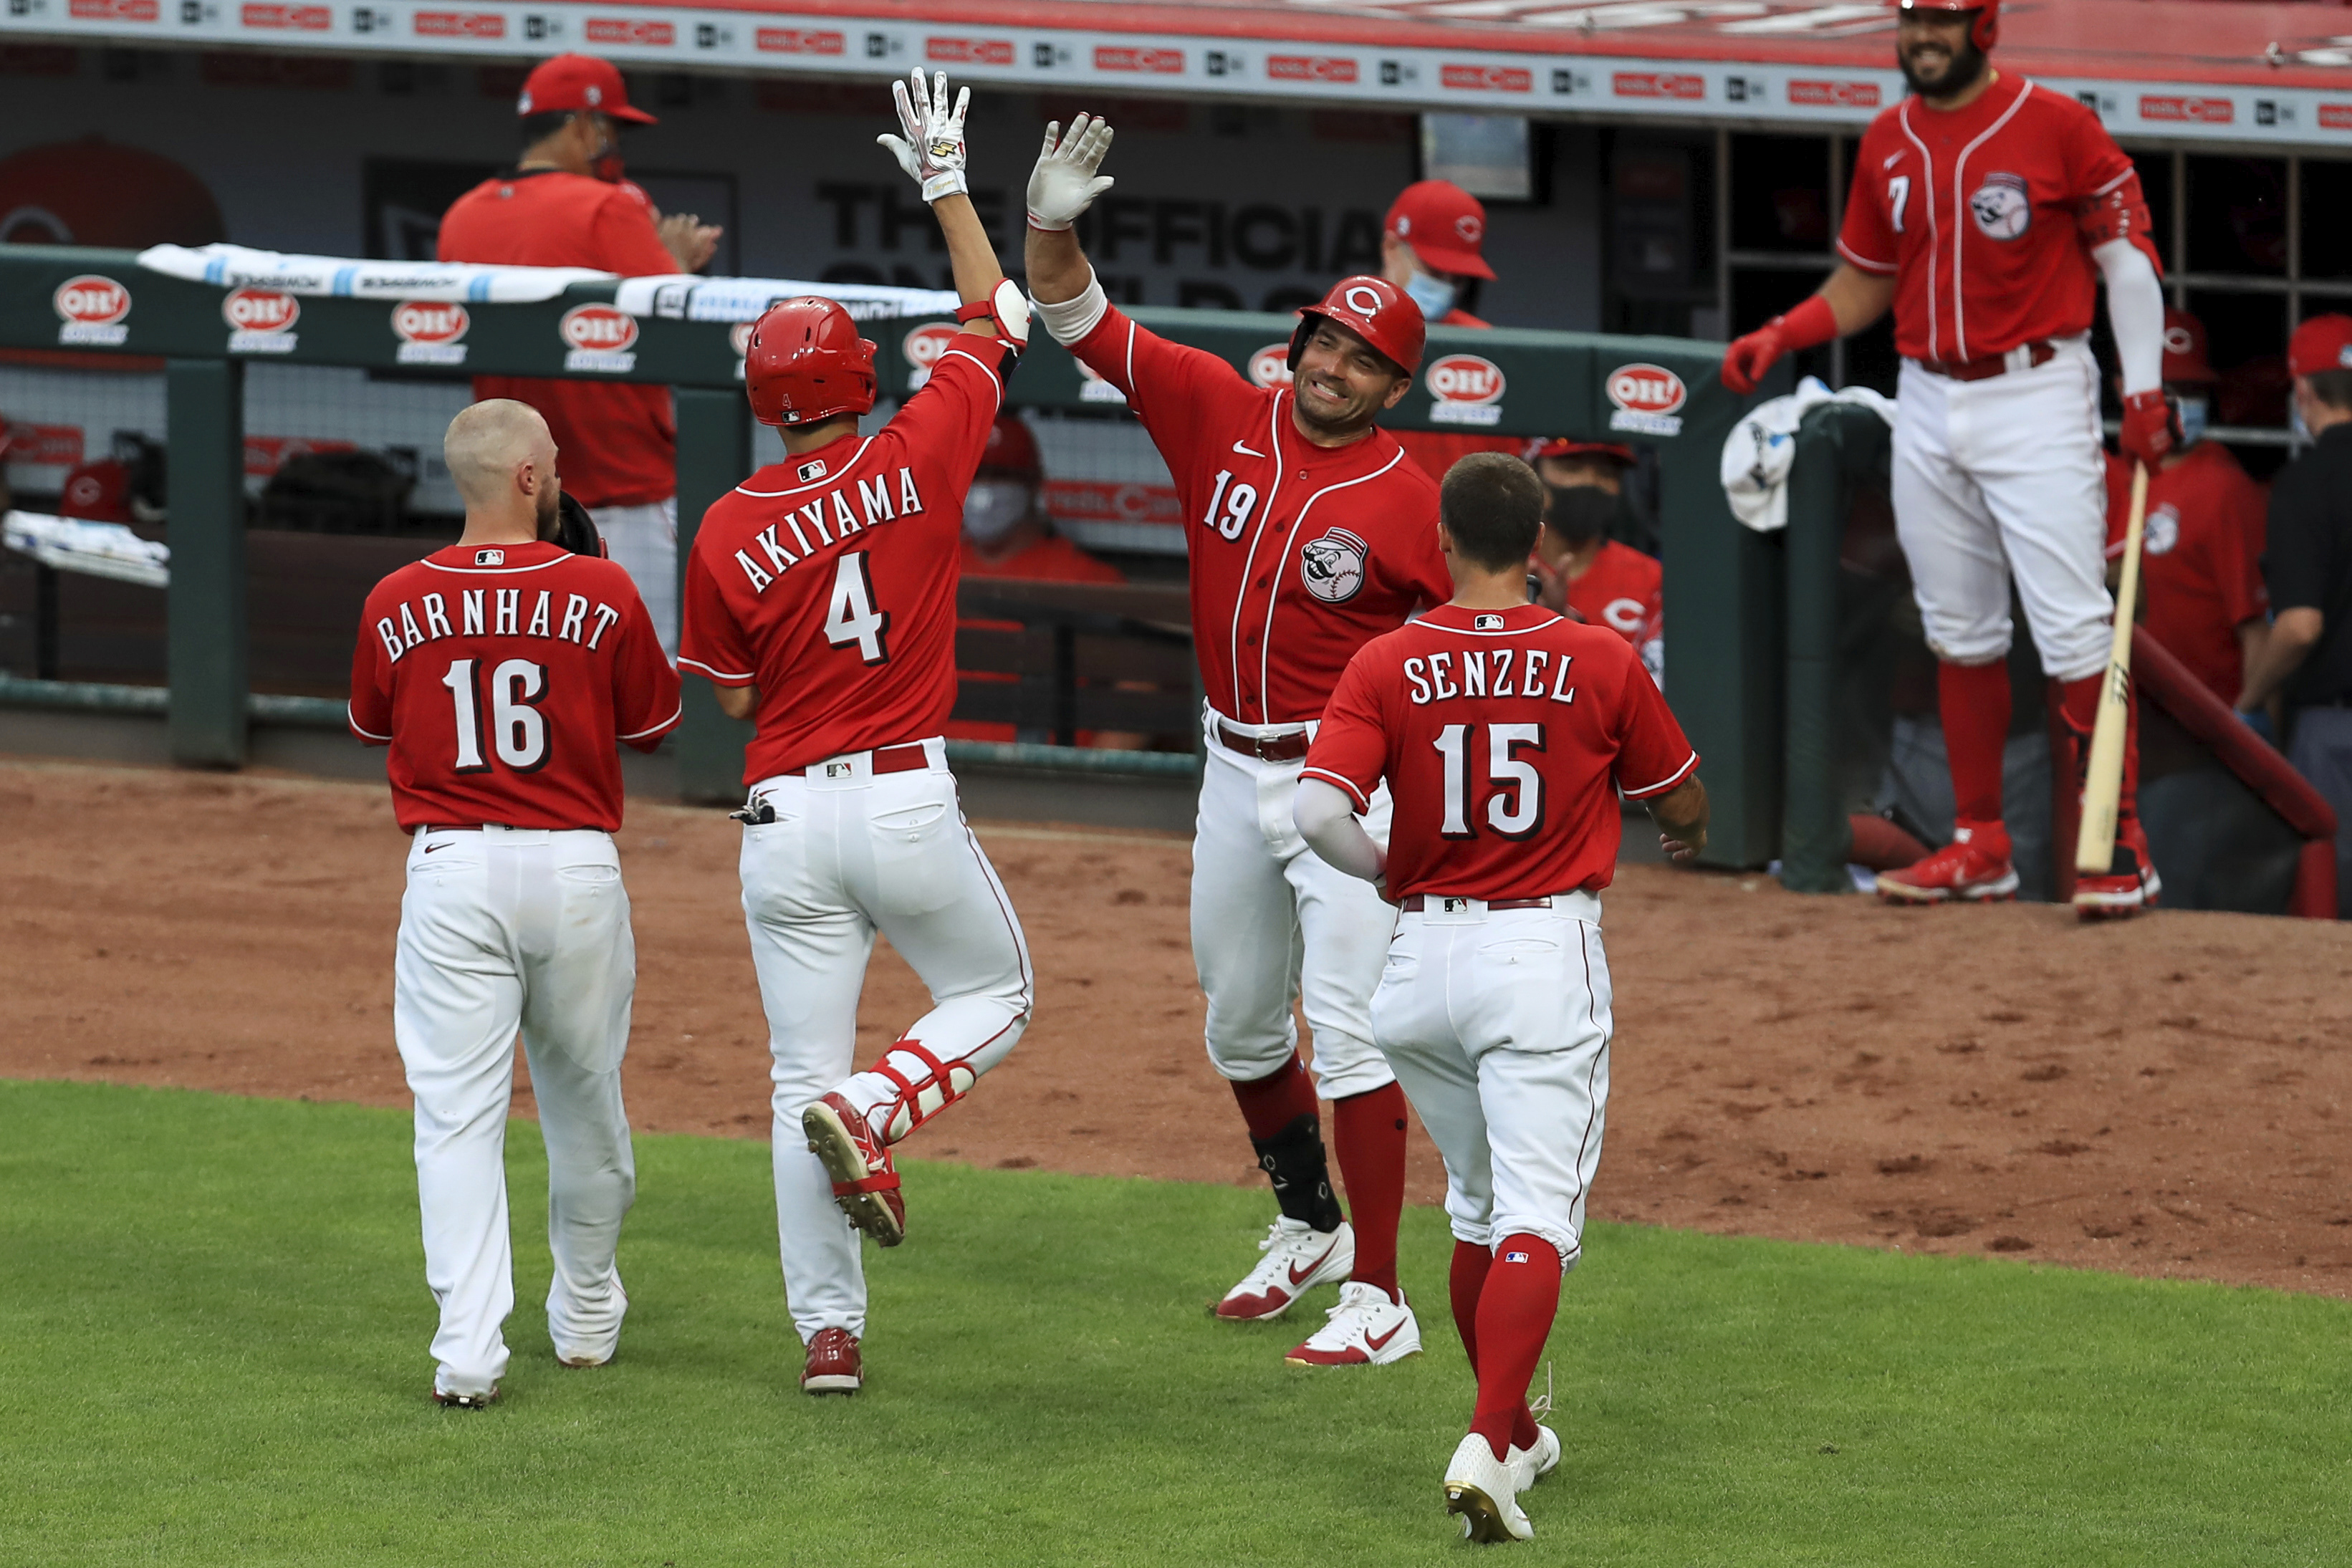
{"x":212,"y":1325}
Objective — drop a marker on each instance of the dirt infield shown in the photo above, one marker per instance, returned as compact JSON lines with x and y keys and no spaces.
{"x":2162,"y":1097}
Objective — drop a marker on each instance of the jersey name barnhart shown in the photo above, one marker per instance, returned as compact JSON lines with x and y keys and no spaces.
{"x":495,"y":612}
{"x":831,"y":519}
{"x":1490,"y":673}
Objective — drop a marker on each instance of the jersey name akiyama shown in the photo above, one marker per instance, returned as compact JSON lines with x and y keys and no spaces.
{"x":1487,"y":673}
{"x":1332,"y":567}
{"x":495,"y":612}
{"x":2004,"y":206}
{"x":830,"y":518}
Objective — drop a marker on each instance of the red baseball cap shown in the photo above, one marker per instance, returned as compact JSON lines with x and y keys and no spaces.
{"x":98,"y":492}
{"x":1011,"y":448}
{"x":2184,"y":349}
{"x":1562,"y":446}
{"x":577,"y":82}
{"x":2322,"y":343}
{"x":1446,"y":225}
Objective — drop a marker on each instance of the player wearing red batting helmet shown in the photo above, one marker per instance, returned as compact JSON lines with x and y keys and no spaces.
{"x":805,"y":363}
{"x":1986,"y":210}
{"x":1311,"y":533}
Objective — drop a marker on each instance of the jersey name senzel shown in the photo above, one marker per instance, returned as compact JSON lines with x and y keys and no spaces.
{"x":1505,"y":736}
{"x":495,"y":612}
{"x":828,"y":521}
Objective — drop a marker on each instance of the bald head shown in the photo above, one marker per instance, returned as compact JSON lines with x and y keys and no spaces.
{"x":487,"y":445}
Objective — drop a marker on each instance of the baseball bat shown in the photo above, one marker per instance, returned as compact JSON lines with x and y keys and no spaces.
{"x":2095,"y":846}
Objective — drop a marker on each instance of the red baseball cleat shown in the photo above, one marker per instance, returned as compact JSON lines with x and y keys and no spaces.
{"x":1297,"y":1259}
{"x":2131,"y":884}
{"x":1974,"y":866}
{"x":834,"y":1366}
{"x":865,"y":1182}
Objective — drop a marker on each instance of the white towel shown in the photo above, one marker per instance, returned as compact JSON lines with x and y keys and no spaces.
{"x":686,"y":298}
{"x":97,"y":549}
{"x":235,"y":266}
{"x":1758,"y":452}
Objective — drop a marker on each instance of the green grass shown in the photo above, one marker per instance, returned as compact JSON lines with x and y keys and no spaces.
{"x":213,"y":1329}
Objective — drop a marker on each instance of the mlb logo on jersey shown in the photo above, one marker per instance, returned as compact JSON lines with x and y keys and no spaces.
{"x":2002,"y":206}
{"x":1486,"y":623}
{"x":1332,"y":567}
{"x":489,"y":557}
{"x":810,"y":470}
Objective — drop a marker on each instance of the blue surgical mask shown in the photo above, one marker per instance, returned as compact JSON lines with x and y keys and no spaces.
{"x":1433,"y":294}
{"x":2192,"y":411}
{"x":993,"y":508}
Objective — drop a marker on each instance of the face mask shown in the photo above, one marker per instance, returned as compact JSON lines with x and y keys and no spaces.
{"x":2296,"y":426}
{"x":993,"y":508}
{"x":605,"y":164}
{"x":1579,"y":514}
{"x":2192,"y":411}
{"x":1433,"y":294}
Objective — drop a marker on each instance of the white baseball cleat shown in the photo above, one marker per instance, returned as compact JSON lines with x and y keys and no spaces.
{"x":1366,"y":1329}
{"x":1297,"y":1259}
{"x":1483,"y":1491}
{"x":1529,"y":1466}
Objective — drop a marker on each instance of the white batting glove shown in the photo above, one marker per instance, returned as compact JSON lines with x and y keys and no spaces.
{"x":932,"y":151}
{"x":1065,"y":182}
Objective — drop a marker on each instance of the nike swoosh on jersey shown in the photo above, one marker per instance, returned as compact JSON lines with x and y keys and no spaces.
{"x":1379,"y":1341}
{"x":1245,"y":451}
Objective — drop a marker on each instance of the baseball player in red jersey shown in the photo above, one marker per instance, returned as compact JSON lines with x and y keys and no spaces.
{"x":2202,"y":546}
{"x":1506,"y":734}
{"x":1577,"y":566}
{"x":500,"y":671}
{"x":1432,"y":245}
{"x":565,"y":204}
{"x":1313,"y":534}
{"x":821,"y":599}
{"x":1986,"y":209}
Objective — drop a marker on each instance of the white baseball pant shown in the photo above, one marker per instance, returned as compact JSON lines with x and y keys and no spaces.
{"x":1273,"y":924}
{"x":1998,"y":474}
{"x":1497,"y":1023}
{"x":643,"y":541}
{"x":850,"y":853}
{"x":504,"y":929}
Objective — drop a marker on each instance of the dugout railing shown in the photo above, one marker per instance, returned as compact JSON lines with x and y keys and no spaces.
{"x":1843,"y":456}
{"x":1722,"y":585}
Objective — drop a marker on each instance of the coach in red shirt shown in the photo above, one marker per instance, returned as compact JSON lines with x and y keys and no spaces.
{"x":1578,"y":567}
{"x":564,"y":203}
{"x":1432,"y":245}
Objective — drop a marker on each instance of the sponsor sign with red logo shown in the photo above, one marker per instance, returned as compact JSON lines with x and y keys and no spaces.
{"x":619,"y":30}
{"x":1658,"y":84}
{"x":116,"y":10}
{"x":923,"y":346}
{"x":1311,"y":67}
{"x":1270,"y":366}
{"x":1486,"y":79}
{"x":300,"y":18}
{"x":431,"y":332}
{"x":265,"y":454}
{"x":1106,"y":501}
{"x":801,"y":41}
{"x":43,"y":445}
{"x":2336,"y":116}
{"x":1155,"y":62}
{"x":2178,"y":110}
{"x":969,"y":51}
{"x":1649,"y":400}
{"x":599,"y":338}
{"x":91,"y":309}
{"x":1833,"y":94}
{"x":460,"y":25}
{"x":1464,"y":389}
{"x":260,"y":320}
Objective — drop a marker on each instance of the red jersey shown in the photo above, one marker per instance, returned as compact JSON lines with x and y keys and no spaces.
{"x":616,"y":442}
{"x":1985,"y":216}
{"x":829,"y":579}
{"x":1622,"y":589}
{"x":1299,"y":554}
{"x":501,"y":675}
{"x":1505,"y":736}
{"x":2200,"y":558}
{"x":1050,"y":559}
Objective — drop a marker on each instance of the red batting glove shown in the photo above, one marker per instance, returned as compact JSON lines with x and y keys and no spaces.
{"x":1809,"y":324}
{"x":2152,"y":430}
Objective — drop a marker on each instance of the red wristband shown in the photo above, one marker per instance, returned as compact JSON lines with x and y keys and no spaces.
{"x":978,"y":310}
{"x":1808,"y":324}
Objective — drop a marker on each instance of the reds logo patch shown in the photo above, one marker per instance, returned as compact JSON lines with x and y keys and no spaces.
{"x":1332,"y":568}
{"x":2162,"y":530}
{"x":2003,"y":209}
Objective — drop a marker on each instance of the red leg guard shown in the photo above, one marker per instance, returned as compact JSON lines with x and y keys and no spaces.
{"x":1368,"y":1134}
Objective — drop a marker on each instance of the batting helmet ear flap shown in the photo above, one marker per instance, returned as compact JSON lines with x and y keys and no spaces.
{"x":1298,"y":335}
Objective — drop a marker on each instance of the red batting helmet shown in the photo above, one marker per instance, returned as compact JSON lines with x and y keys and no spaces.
{"x":805,"y":363}
{"x":1988,"y":14}
{"x":1374,"y":309}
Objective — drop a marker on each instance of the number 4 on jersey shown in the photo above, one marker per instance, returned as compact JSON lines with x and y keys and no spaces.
{"x":850,"y":617}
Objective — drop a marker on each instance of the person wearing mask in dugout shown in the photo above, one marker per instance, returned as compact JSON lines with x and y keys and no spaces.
{"x":564,"y":203}
{"x":2308,"y":658}
{"x":1432,"y":245}
{"x":1581,"y":567}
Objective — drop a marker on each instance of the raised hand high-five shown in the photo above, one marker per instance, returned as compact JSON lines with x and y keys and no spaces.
{"x":1066,"y":181}
{"x":932,"y":152}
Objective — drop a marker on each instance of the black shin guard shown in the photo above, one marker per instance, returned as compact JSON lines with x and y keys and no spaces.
{"x":1293,"y":1159}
